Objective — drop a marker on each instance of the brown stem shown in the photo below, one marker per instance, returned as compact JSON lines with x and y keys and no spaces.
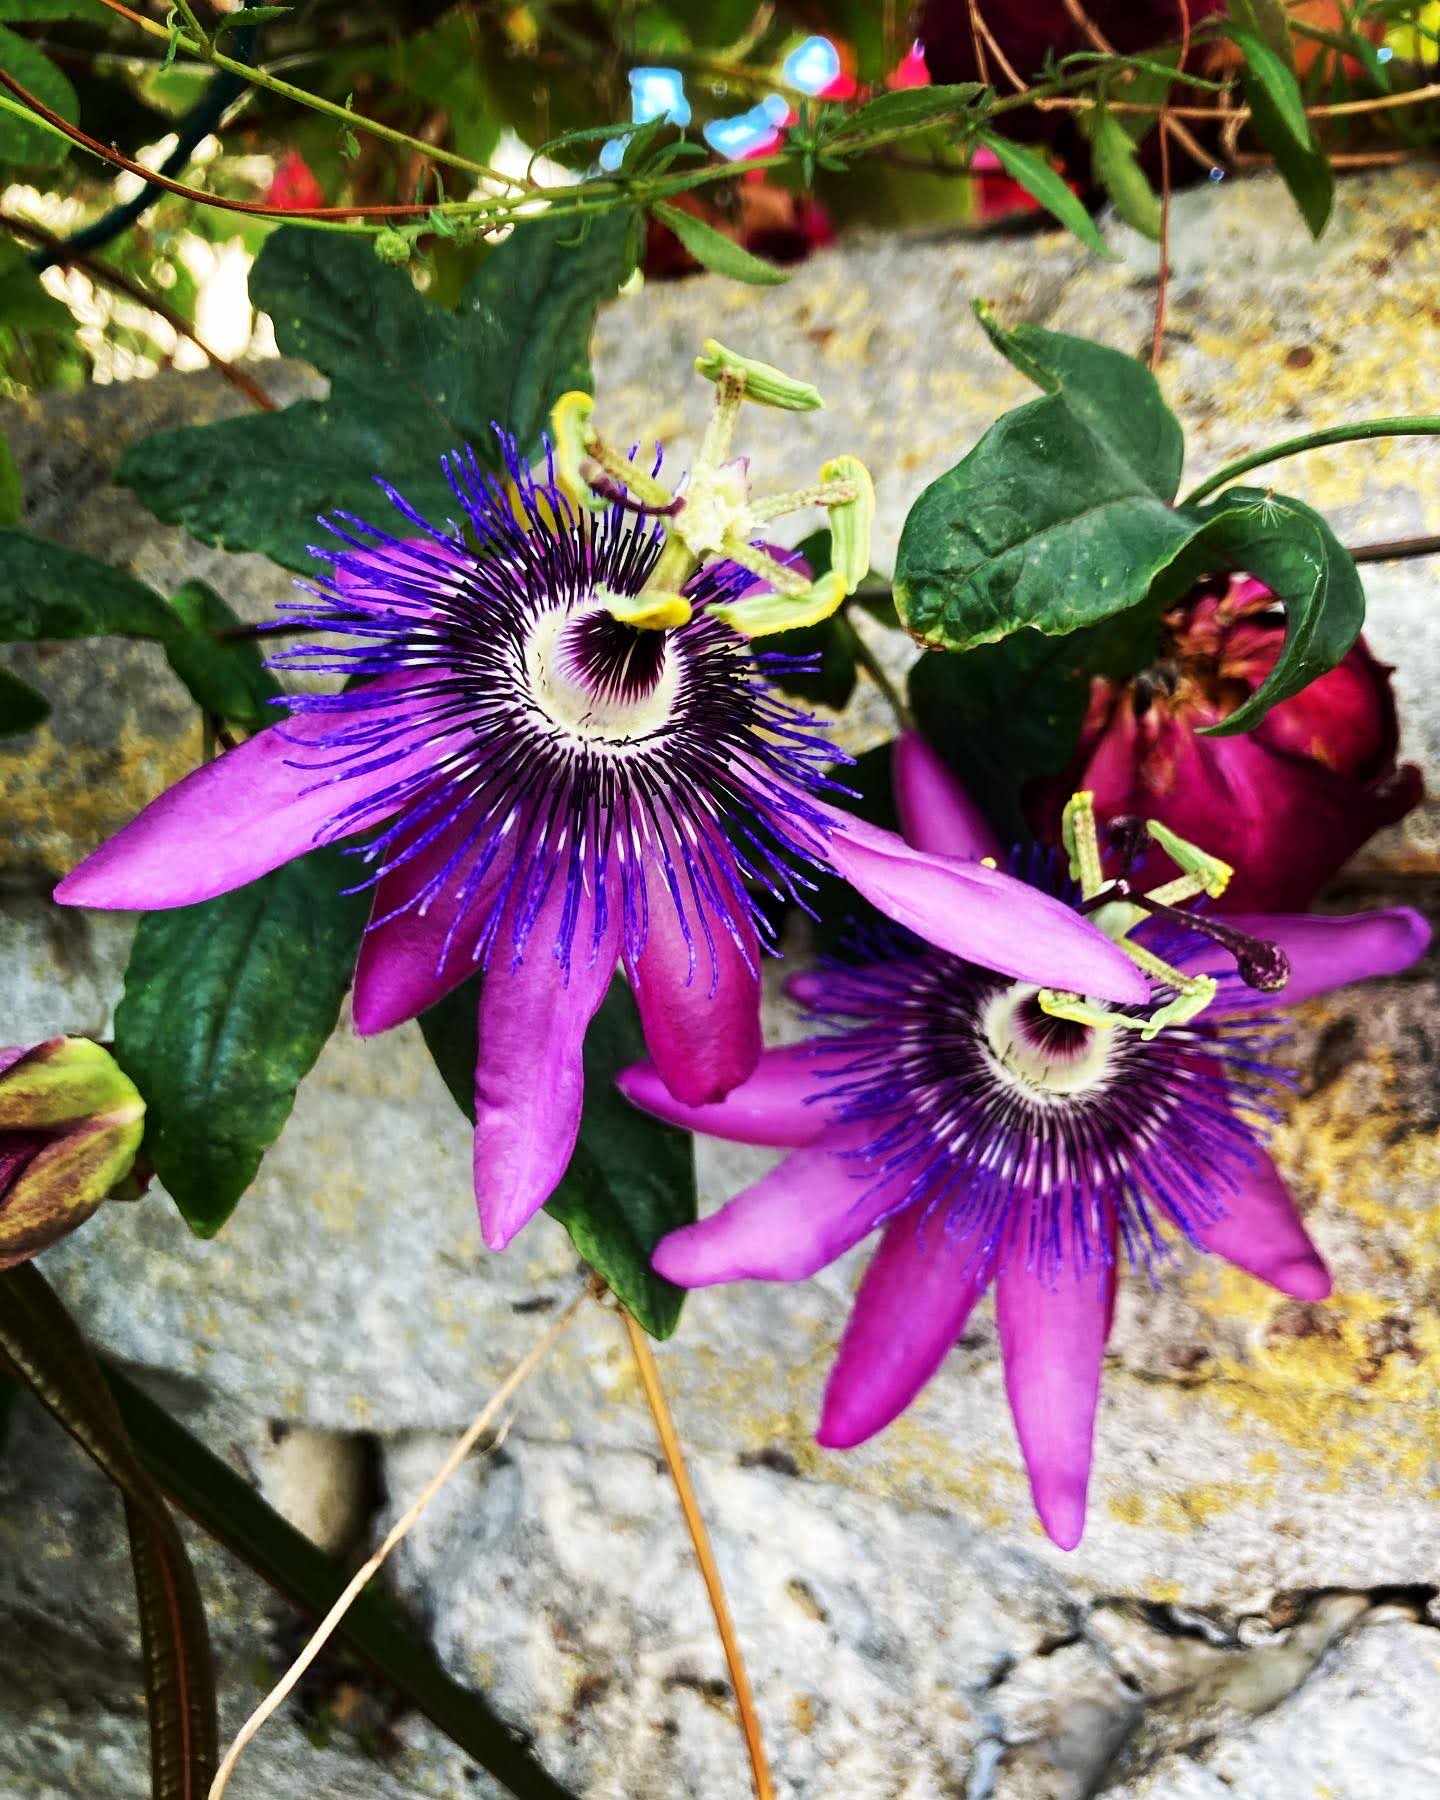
{"x":122,"y":284}
{"x":1396,"y":549}
{"x":704,"y":1555}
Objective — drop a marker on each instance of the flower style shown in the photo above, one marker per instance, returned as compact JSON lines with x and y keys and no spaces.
{"x":1006,"y":1135}
{"x":1327,"y":754}
{"x":565,"y":755}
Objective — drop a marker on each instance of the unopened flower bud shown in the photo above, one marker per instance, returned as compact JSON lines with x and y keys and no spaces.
{"x":71,"y":1122}
{"x":1286,"y":804}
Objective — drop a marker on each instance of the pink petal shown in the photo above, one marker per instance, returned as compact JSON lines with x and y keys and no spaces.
{"x":775,"y":1105}
{"x":1324,"y":953}
{"x":980,"y":914}
{"x":400,"y":972}
{"x":243,"y":815}
{"x":799,"y":1218}
{"x":936,"y":814}
{"x":920,"y":1288}
{"x":370,"y":577}
{"x":699,"y":997}
{"x":1260,"y":1232}
{"x":1052,"y":1337}
{"x":530,"y":1079}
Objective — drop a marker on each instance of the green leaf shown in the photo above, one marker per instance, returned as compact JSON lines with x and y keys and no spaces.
{"x":252,"y":15}
{"x":228,"y":1508}
{"x":1117,"y":168}
{"x":1289,"y":547}
{"x":1268,"y":21}
{"x":630,"y":1180}
{"x":21,"y":708}
{"x":31,"y":141}
{"x":228,"y":680}
{"x":41,"y":1344}
{"x":1277,"y":111}
{"x":24,"y":303}
{"x":32,"y":11}
{"x":1042,"y":183}
{"x":409,"y":382}
{"x":50,"y":591}
{"x":1058,"y":517}
{"x":714,"y":250}
{"x":226,"y":1006}
{"x":911,"y":109}
{"x":11,"y":494}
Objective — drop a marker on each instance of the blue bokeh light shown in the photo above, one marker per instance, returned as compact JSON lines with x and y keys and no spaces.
{"x":812,"y":66}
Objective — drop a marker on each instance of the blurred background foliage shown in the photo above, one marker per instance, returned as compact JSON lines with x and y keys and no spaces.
{"x":101,"y":277}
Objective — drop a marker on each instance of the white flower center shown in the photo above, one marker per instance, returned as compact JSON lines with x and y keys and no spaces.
{"x":1043,"y":1057}
{"x":609,"y":711}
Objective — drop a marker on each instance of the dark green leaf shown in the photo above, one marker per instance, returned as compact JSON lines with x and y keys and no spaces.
{"x":1117,"y":169}
{"x":229,"y":1509}
{"x":1277,"y":111}
{"x":253,"y":15}
{"x":50,"y":591}
{"x":1042,"y":183}
{"x":21,"y":708}
{"x":1113,"y":395}
{"x":714,"y":250}
{"x":226,"y":1006}
{"x":630,"y":1180}
{"x":1057,"y":518}
{"x":11,"y":495}
{"x":24,"y":303}
{"x":31,"y":11}
{"x":711,"y":24}
{"x":1007,"y":714}
{"x":34,"y":144}
{"x":228,"y":680}
{"x":40,"y":1343}
{"x":409,"y":381}
{"x":1289,"y":547}
{"x":911,"y":109}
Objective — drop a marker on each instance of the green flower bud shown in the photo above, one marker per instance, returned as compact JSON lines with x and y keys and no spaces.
{"x":71,"y":1122}
{"x":393,"y":246}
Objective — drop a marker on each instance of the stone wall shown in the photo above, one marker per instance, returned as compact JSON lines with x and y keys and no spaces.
{"x":1251,"y":1610}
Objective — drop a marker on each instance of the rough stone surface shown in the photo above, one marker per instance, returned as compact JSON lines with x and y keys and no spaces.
{"x":910,"y":1632}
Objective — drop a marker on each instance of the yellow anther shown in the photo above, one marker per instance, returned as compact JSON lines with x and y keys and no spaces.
{"x":1210,"y":872}
{"x":1082,"y":843}
{"x":764,"y":383}
{"x":768,"y":613}
{"x":651,"y":610}
{"x":570,"y":433}
{"x":850,"y":520}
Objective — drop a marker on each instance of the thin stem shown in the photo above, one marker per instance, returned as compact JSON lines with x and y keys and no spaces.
{"x":1396,"y":550}
{"x":121,"y":284}
{"x":302,"y":96}
{"x":1425,"y":426}
{"x":875,"y":669}
{"x":202,"y":36}
{"x":464,"y":1444}
{"x":704,"y":1555}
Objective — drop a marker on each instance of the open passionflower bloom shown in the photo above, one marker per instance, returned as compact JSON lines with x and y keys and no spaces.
{"x":563,"y":754}
{"x":1010,"y":1135}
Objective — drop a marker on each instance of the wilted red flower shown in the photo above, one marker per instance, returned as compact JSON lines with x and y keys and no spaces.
{"x":1286,"y":804}
{"x":293,"y":187}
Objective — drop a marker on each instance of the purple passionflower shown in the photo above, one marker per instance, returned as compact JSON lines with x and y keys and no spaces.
{"x":998,"y":1144}
{"x":544,"y":791}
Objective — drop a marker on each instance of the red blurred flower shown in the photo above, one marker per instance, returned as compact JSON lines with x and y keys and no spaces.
{"x":293,"y":188}
{"x":1286,"y":804}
